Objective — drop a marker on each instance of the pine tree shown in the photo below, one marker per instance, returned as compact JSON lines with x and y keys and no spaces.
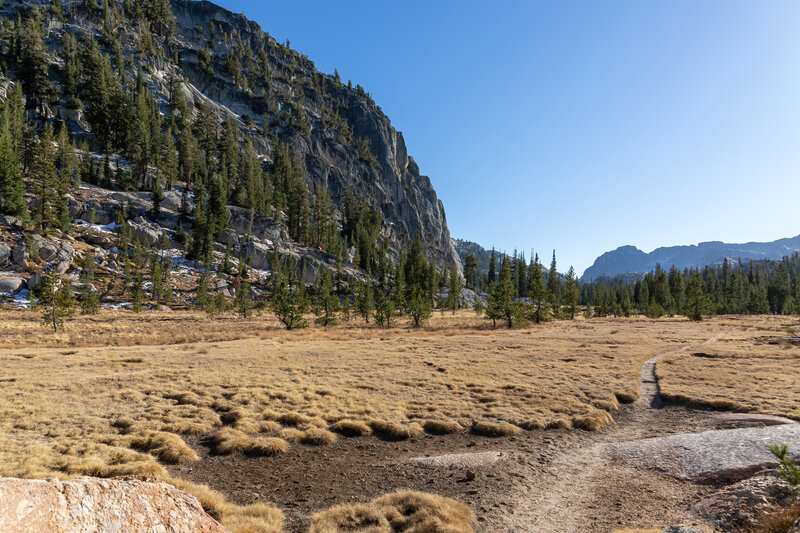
{"x":90,"y":301}
{"x":384,"y":308}
{"x":364,"y":300}
{"x":12,"y":188}
{"x":571,"y":292}
{"x":327,"y":302}
{"x":697,"y":300}
{"x":243,"y":302}
{"x":156,"y":278}
{"x":454,"y":285}
{"x":470,"y":268}
{"x":43,"y":178}
{"x":33,"y":64}
{"x":537,"y":291}
{"x":492,"y":267}
{"x":554,"y":285}
{"x":54,"y":299}
{"x":156,"y":196}
{"x":288,"y":300}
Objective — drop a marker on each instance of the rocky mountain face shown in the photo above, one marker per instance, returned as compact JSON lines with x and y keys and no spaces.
{"x":631,"y":260}
{"x":215,"y":58}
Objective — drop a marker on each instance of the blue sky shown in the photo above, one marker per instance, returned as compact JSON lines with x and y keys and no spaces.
{"x":579,"y":126}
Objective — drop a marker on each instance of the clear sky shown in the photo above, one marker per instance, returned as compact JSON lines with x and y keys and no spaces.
{"x":579,"y":125}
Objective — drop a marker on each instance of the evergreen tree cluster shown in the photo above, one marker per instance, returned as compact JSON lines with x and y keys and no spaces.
{"x":745,"y":288}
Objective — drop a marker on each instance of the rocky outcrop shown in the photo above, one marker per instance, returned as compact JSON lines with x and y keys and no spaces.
{"x":91,"y":504}
{"x":11,"y":285}
{"x":710,"y":456}
{"x":391,"y":183}
{"x":5,"y":254}
{"x":741,"y":506}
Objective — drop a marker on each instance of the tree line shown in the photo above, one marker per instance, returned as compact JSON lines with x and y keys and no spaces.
{"x":752,"y":287}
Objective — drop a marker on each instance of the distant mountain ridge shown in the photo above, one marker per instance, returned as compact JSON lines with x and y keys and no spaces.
{"x":629,"y":259}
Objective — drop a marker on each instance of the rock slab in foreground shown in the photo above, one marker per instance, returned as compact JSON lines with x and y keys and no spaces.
{"x":97,"y":505}
{"x":739,"y":507}
{"x":711,"y":455}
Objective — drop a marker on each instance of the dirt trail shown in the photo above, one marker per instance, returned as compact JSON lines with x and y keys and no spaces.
{"x":573,"y":487}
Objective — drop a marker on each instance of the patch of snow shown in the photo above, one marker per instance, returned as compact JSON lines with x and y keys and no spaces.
{"x":22,"y":299}
{"x":107,"y":228}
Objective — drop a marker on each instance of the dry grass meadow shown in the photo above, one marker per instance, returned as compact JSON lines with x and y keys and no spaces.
{"x":741,"y":373}
{"x":117,"y":393}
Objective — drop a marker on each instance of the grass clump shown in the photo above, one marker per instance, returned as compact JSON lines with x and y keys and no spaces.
{"x":317,"y":437}
{"x":229,"y":440}
{"x":356,"y":517}
{"x":390,"y":430}
{"x":594,"y":421}
{"x":351,"y":428}
{"x":254,"y":518}
{"x":488,"y":428}
{"x":399,"y":512}
{"x":168,"y":447}
{"x":441,"y":427}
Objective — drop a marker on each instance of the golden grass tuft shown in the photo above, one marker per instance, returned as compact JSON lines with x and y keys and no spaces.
{"x":294,"y":419}
{"x":405,"y":511}
{"x":351,"y":428}
{"x":488,"y":428}
{"x":168,"y":447}
{"x":560,"y":423}
{"x":626,"y":396}
{"x":594,"y":421}
{"x":317,"y":437}
{"x":254,"y":518}
{"x":441,"y":427}
{"x":229,"y":440}
{"x":390,"y":430}
{"x":361,"y":518}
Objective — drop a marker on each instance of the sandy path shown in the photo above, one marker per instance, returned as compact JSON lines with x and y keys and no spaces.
{"x":573,"y":487}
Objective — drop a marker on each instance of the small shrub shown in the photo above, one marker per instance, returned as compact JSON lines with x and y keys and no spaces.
{"x":787,"y":468}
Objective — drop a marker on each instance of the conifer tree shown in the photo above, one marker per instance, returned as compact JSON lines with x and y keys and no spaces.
{"x":90,"y":301}
{"x":33,"y":64}
{"x":470,"y":268}
{"x":327,"y":302}
{"x":554,"y":285}
{"x":43,"y":178}
{"x":454,"y":285}
{"x":243,"y":302}
{"x":537,"y":291}
{"x":54,"y":299}
{"x":289,"y":300}
{"x":696,"y":298}
{"x":12,"y":201}
{"x":571,"y":292}
{"x":492,"y":267}
{"x":364,"y":300}
{"x":384,"y":308}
